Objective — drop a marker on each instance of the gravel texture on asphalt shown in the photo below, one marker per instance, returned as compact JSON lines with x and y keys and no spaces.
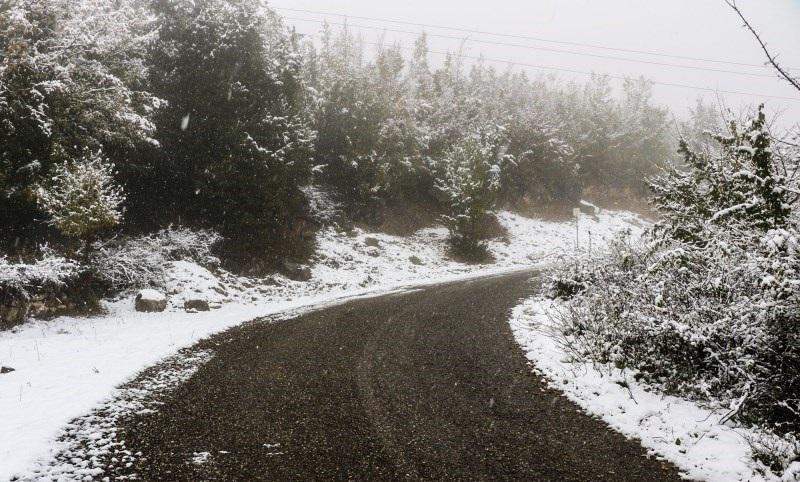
{"x":421,"y":385}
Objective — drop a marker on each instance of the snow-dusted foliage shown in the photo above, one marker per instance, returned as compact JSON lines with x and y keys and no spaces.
{"x":236,"y":141}
{"x":20,"y":279}
{"x":707,"y":305}
{"x":739,"y":186}
{"x":82,"y":198}
{"x":704,"y":118}
{"x":371,"y":145}
{"x":385,"y":126}
{"x":70,"y":79}
{"x":470,"y":179}
{"x":215,"y":111}
{"x":191,"y":100}
{"x":141,"y":262}
{"x":618,"y":142}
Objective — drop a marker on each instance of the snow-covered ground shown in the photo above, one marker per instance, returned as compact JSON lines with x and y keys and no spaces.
{"x":691,"y":437}
{"x":66,"y":367}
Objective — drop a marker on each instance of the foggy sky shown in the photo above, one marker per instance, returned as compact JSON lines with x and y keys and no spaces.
{"x":696,"y":28}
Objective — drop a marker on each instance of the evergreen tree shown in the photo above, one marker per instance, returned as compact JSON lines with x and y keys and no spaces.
{"x":704,"y":119}
{"x":737,"y":185}
{"x":470,"y":180}
{"x":371,"y":143}
{"x":70,"y":79}
{"x":643,"y":145}
{"x":236,"y":143}
{"x":82,"y":198}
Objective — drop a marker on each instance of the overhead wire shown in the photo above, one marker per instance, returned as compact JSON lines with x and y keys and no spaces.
{"x":520,"y":37}
{"x":582,"y":72}
{"x":506,"y":44}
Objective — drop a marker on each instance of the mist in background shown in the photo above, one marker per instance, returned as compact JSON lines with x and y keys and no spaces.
{"x":704,"y":29}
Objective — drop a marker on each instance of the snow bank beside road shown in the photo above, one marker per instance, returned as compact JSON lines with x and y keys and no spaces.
{"x":352,"y":261}
{"x":680,"y":431}
{"x":67,"y":366}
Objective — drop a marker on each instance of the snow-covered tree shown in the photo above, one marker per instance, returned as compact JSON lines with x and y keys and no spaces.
{"x":236,"y":141}
{"x":371,"y":148}
{"x":470,"y":180}
{"x":71,"y":77}
{"x":704,"y":119}
{"x":643,"y":144}
{"x":738,"y":183}
{"x":618,"y":139}
{"x":82,"y":198}
{"x":545,"y":167}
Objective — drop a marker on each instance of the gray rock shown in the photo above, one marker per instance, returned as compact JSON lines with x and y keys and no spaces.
{"x":4,"y":370}
{"x":13,"y":314}
{"x":415,"y":260}
{"x":372,"y":242}
{"x":150,"y":301}
{"x":196,"y":305}
{"x":297,"y":272}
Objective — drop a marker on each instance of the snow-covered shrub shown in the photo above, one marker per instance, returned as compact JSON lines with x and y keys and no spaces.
{"x":82,"y":198}
{"x":774,"y":451}
{"x":470,"y":179}
{"x":567,"y":282}
{"x":738,"y":183}
{"x":701,"y":307}
{"x":140,"y":262}
{"x":716,"y":323}
{"x":19,"y":280}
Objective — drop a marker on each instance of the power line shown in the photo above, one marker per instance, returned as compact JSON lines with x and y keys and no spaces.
{"x":582,"y":72}
{"x":505,"y":44}
{"x":521,"y":37}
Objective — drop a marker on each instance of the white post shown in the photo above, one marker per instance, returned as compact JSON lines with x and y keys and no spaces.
{"x":577,"y":213}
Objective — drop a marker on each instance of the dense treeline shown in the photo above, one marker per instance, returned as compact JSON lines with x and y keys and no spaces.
{"x":212,"y":114}
{"x":386,"y":125}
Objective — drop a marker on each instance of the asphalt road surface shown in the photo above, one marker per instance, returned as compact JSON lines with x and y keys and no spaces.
{"x":425,"y":385}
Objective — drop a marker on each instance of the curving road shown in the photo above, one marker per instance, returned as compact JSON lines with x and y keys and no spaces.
{"x":425,"y":385}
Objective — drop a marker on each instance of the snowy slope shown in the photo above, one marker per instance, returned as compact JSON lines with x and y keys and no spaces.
{"x":67,"y":366}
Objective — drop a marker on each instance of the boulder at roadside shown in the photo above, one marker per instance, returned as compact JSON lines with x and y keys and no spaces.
{"x":150,"y":301}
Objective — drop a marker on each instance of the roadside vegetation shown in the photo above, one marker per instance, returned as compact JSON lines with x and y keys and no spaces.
{"x":705,"y":304}
{"x":121,"y":119}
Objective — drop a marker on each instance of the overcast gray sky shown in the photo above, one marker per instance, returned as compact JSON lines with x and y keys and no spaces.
{"x":705,"y":29}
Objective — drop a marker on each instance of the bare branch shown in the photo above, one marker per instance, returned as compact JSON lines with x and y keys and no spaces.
{"x":795,"y":83}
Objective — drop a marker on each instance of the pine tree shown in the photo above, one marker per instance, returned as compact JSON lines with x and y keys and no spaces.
{"x":737,"y":185}
{"x":235,"y":135}
{"x":470,"y":180}
{"x":82,"y":198}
